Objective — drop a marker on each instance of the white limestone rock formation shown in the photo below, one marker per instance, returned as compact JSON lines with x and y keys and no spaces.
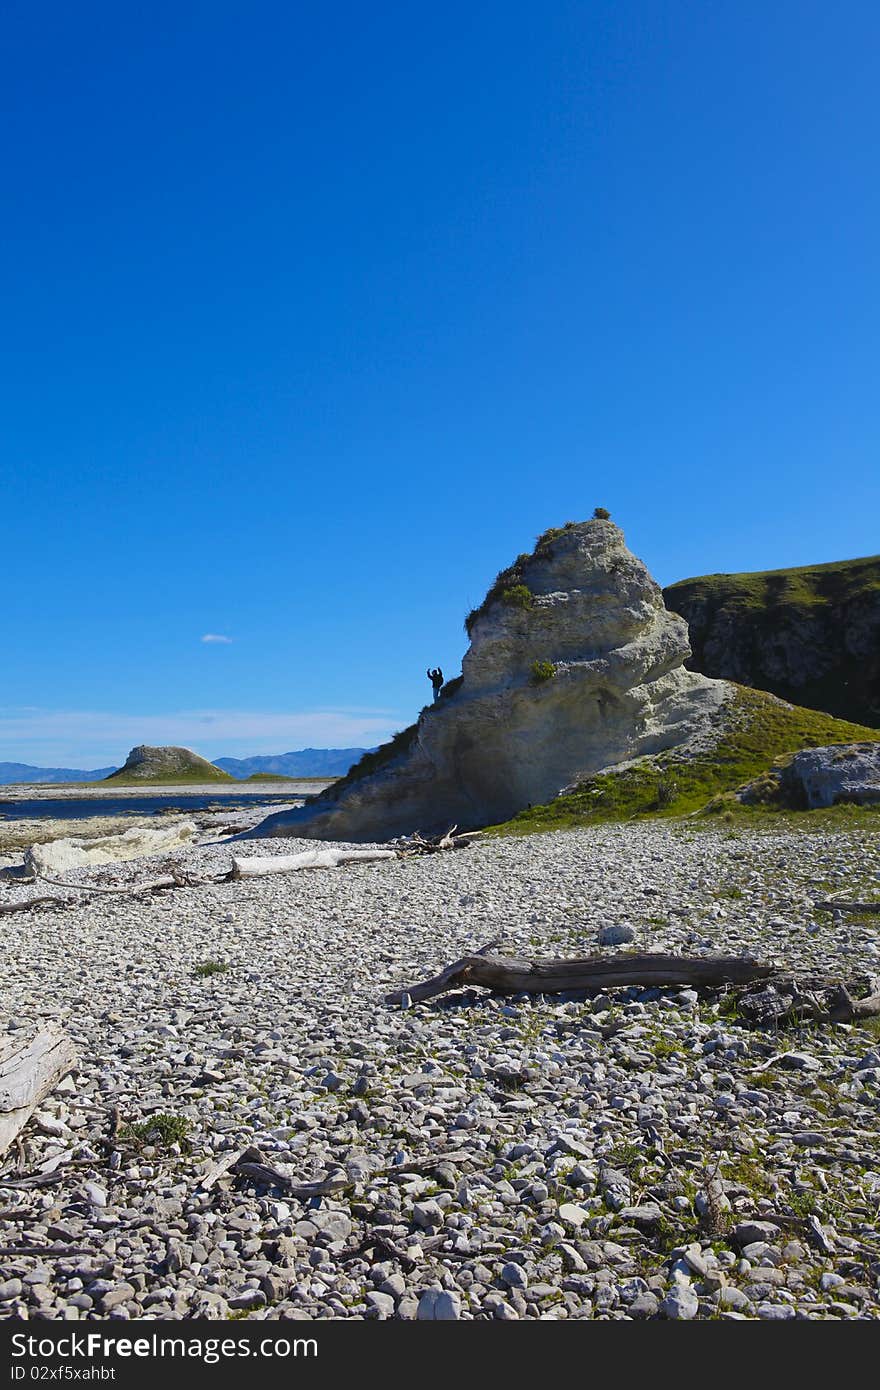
{"x":59,"y":856}
{"x":574,"y":665}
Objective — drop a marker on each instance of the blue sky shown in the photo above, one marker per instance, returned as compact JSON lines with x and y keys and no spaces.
{"x":315,"y":316}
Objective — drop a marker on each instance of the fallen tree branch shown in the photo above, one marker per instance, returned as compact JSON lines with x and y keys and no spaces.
{"x":256,"y":867}
{"x":835,"y":905}
{"x":789,"y":999}
{"x":28,"y":1072}
{"x":511,"y":975}
{"x":174,"y":879}
{"x":31,"y":903}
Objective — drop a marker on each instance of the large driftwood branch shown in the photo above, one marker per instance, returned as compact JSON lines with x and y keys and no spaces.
{"x":174,"y":879}
{"x":511,"y":975}
{"x":28,"y":1072}
{"x":845,"y":1009}
{"x":835,"y":905}
{"x":255,"y":867}
{"x":30,"y":904}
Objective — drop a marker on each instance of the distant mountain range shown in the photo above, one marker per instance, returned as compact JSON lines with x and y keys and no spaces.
{"x":23,"y":772}
{"x":306,"y":762}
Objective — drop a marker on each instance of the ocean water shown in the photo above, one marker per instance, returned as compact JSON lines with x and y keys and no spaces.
{"x":74,"y":809}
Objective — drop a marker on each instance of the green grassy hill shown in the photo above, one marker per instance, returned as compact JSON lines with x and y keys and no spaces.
{"x":810,"y":635}
{"x":759,"y":730}
{"x":168,"y":766}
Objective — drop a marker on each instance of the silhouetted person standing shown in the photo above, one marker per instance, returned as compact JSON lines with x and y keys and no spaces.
{"x":436,"y":679}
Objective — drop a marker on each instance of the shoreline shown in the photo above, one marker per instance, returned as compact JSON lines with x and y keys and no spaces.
{"x":50,"y":791}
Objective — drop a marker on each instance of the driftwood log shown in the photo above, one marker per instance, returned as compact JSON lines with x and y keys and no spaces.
{"x":28,"y":1072}
{"x":251,"y":867}
{"x":795,"y":999}
{"x":766,"y":996}
{"x":511,"y":975}
{"x":255,"y":867}
{"x":834,"y":905}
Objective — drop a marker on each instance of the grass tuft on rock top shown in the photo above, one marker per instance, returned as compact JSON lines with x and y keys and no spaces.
{"x":511,"y":584}
{"x":759,"y":730}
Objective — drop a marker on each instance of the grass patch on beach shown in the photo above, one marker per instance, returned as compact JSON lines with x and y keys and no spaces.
{"x":760,"y":730}
{"x":210,"y":967}
{"x":161,"y":1130}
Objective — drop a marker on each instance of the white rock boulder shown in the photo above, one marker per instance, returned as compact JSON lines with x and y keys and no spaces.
{"x":59,"y":856}
{"x":825,"y":776}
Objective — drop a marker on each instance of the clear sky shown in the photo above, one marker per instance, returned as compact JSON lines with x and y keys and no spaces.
{"x":314,"y":316}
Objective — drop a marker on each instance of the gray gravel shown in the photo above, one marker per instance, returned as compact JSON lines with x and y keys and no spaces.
{"x":641,"y":1154}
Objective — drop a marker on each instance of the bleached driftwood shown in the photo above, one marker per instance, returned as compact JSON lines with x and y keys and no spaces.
{"x":256,"y":867}
{"x":28,"y":1072}
{"x":510,"y":975}
{"x":836,"y":905}
{"x":174,"y":879}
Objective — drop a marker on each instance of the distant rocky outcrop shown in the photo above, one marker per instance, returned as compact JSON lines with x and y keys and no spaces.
{"x":13,"y":773}
{"x":168,"y":764}
{"x":811,"y":636}
{"x":305,"y":762}
{"x":574,"y":665}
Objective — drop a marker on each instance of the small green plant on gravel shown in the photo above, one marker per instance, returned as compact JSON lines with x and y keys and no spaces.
{"x":749,"y":1174}
{"x":728,"y":1007}
{"x":869,"y":1025}
{"x":162,"y":1130}
{"x":626,"y":1155}
{"x":803,"y":1204}
{"x":210,"y":967}
{"x":667,"y":790}
{"x":542,"y":671}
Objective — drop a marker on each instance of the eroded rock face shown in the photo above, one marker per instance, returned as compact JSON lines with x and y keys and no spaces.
{"x":579,"y":668}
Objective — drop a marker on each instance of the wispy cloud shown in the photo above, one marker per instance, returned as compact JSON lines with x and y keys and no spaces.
{"x":217,"y":637}
{"x":93,"y":738}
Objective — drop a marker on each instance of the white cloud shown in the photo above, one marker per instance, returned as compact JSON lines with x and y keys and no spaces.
{"x":217,"y":637}
{"x":93,"y":738}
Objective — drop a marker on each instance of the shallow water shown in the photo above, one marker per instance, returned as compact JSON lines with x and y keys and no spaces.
{"x":72,"y":808}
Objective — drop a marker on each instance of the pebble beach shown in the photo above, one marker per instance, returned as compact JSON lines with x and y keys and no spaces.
{"x":634,"y":1155}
